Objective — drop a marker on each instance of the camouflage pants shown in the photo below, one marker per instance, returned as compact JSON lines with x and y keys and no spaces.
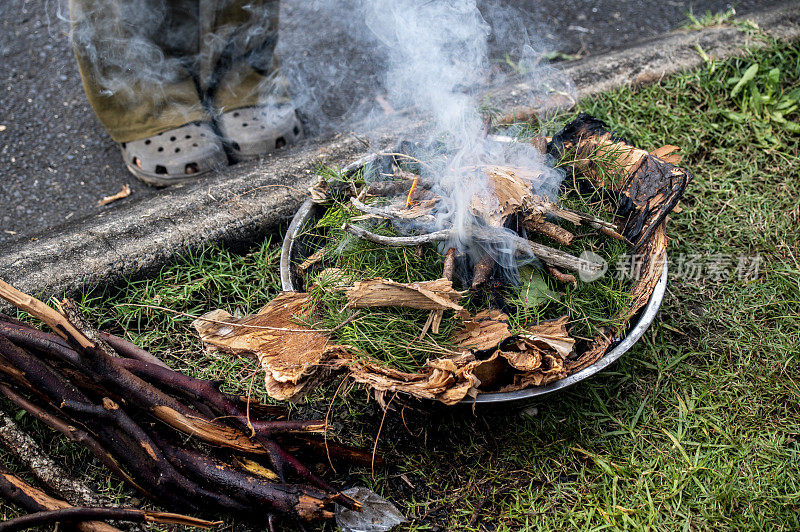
{"x":152,"y":65}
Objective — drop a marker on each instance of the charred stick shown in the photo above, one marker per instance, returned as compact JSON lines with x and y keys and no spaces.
{"x":550,"y":230}
{"x":32,"y":499}
{"x":435,"y":317}
{"x":482,"y":270}
{"x":561,"y":276}
{"x":397,"y":241}
{"x":449,"y":266}
{"x":78,"y":514}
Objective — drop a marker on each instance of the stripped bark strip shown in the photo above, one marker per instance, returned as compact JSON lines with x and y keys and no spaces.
{"x":435,"y":317}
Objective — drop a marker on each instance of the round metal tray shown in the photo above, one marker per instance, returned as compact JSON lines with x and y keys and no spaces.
{"x":646,"y":317}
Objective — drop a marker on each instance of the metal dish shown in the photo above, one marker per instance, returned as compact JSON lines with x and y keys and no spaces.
{"x":646,"y":315}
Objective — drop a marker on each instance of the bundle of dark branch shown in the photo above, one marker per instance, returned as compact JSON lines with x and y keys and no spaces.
{"x":176,"y":439}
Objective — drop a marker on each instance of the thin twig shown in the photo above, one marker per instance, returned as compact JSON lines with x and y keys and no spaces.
{"x":378,"y":436}
{"x":397,"y":241}
{"x":231,"y":324}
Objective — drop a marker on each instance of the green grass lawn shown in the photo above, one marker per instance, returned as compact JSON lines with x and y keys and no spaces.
{"x":696,"y":428}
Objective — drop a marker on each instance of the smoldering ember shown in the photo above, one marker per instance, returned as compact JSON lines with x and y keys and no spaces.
{"x":427,"y":342}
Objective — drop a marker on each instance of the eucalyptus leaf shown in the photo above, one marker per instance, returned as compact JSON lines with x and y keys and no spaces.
{"x":535,"y":290}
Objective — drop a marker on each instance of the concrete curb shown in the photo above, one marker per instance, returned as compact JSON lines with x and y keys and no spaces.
{"x":247,"y":201}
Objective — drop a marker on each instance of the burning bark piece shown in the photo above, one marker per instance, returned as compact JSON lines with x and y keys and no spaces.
{"x":482,"y":270}
{"x":290,"y":354}
{"x":427,"y":295}
{"x":649,"y":188}
{"x":411,"y":192}
{"x":400,"y":185}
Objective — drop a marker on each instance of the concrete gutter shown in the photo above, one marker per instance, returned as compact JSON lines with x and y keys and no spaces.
{"x":246,"y":202}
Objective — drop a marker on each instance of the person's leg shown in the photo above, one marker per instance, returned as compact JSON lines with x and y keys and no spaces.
{"x":137,"y":59}
{"x":238,"y":61}
{"x":132,"y":56}
{"x":244,"y":81}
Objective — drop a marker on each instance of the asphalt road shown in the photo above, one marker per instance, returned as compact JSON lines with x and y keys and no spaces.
{"x":56,"y":161}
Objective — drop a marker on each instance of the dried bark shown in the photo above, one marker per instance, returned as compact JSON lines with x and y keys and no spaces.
{"x":291,"y":355}
{"x":426,"y":295}
{"x":435,"y":317}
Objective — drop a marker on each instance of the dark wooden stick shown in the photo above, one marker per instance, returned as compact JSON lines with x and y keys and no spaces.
{"x":550,"y":230}
{"x":307,"y":502}
{"x":561,"y":276}
{"x":207,"y":392}
{"x":78,"y":514}
{"x":435,"y":317}
{"x":129,"y":350}
{"x":14,"y":489}
{"x":20,"y":444}
{"x":73,"y":433}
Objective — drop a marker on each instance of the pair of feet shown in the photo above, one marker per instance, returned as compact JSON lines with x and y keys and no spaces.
{"x":189,"y":151}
